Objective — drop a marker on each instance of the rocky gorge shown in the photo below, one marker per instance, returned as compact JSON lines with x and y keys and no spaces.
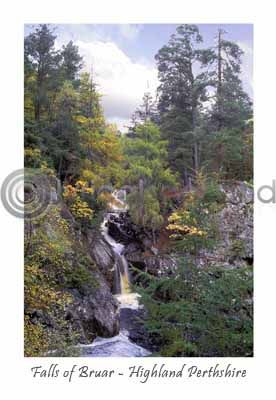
{"x":106,"y":315}
{"x":123,"y":323}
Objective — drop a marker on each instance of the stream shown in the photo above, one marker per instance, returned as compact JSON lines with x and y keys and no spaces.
{"x":119,"y":345}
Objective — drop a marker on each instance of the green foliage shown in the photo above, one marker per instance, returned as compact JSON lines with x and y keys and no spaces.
{"x":229,"y":152}
{"x":63,"y":115}
{"x":53,"y":264}
{"x":151,"y":217}
{"x":197,"y":134}
{"x":213,"y":193}
{"x":81,"y":278}
{"x":193,"y":226}
{"x":147,"y":112}
{"x":71,"y":61}
{"x":238,"y":248}
{"x":65,"y":136}
{"x":32,"y":157}
{"x":201,"y":312}
{"x":147,"y":170}
{"x":42,"y":69}
{"x":182,"y":94}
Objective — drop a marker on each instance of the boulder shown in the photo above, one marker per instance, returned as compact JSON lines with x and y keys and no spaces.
{"x":132,"y":321}
{"x":95,"y":314}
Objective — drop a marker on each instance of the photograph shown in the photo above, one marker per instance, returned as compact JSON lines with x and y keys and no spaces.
{"x":138,"y":190}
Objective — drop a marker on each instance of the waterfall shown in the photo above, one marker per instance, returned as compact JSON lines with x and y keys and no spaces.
{"x":122,"y":283}
{"x":120,"y":345}
{"x":122,"y":278}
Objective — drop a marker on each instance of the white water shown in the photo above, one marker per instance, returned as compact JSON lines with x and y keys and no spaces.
{"x":119,"y":345}
{"x":125,"y":297}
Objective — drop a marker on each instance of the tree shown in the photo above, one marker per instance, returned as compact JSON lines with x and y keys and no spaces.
{"x":232,"y":106}
{"x":182,"y":93}
{"x":46,"y":71}
{"x":89,"y":100}
{"x":99,"y":141}
{"x":43,"y":60}
{"x":71,"y":61}
{"x":226,"y":143}
{"x":229,"y":152}
{"x":63,"y":142}
{"x":200,"y":312}
{"x":147,"y":171}
{"x":146,"y":112}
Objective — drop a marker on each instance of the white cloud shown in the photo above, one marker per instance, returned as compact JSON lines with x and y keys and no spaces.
{"x":129,"y":31}
{"x":122,"y":123}
{"x":121,"y":81}
{"x":247,"y":66}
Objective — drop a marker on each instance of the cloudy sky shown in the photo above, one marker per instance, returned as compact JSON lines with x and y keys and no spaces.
{"x":122,"y":58}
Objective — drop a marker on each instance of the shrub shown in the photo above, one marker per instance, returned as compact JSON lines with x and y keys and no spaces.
{"x":54,"y":262}
{"x":80,"y":278}
{"x":213,"y":194}
{"x":200,"y":312}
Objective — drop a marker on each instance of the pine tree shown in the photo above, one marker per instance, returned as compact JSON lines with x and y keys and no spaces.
{"x":42,"y":58}
{"x":72,"y":62}
{"x":182,"y":93}
{"x":148,"y":173}
{"x":226,"y":143}
{"x":232,"y":106}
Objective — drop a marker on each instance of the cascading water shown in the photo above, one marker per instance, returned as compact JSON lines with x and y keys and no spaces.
{"x":120,"y":345}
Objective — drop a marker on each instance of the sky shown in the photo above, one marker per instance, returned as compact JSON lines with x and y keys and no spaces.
{"x":122,"y":58}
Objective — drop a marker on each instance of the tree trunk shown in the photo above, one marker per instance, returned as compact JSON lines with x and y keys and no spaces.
{"x":195,"y":158}
{"x":37,"y":103}
{"x":185,"y":177}
{"x":141,"y":200}
{"x":219,"y":87}
{"x":195,"y":144}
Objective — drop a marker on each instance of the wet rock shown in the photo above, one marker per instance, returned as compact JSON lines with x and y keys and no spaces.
{"x":103,"y":256}
{"x":132,"y":248}
{"x":158,"y":265}
{"x":96,"y":314}
{"x":121,"y":228}
{"x":132,"y":321}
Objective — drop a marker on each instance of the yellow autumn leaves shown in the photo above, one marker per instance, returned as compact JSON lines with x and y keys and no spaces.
{"x":79,"y":208}
{"x":182,"y":223}
{"x":45,"y":266}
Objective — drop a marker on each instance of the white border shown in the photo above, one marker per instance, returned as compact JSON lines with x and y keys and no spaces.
{"x":14,"y":374}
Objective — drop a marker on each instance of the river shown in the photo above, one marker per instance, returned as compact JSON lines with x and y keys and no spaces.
{"x":119,"y":345}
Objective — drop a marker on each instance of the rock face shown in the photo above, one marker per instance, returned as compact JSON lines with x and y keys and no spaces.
{"x":95,"y":314}
{"x":235,"y":229}
{"x":132,"y":322}
{"x":234,"y":246}
{"x":103,"y":256}
{"x":234,"y":243}
{"x":139,"y":249}
{"x":93,"y":311}
{"x":157,"y":265}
